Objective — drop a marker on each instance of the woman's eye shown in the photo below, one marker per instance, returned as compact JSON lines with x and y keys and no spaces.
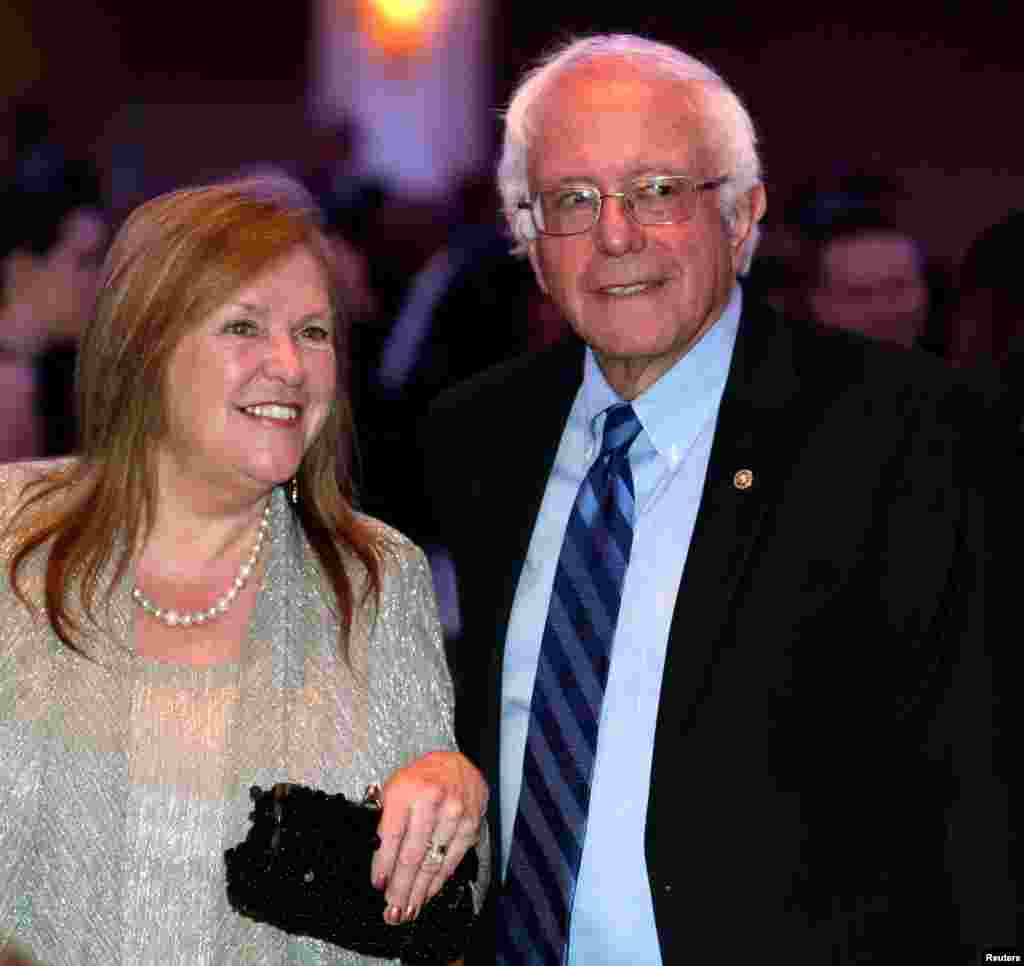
{"x":240,"y":327}
{"x":316,"y":333}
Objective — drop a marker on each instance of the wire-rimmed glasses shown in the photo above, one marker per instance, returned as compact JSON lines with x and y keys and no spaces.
{"x":575,"y":208}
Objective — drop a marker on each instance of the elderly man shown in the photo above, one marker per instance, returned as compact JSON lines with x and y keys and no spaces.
{"x":722,"y":576}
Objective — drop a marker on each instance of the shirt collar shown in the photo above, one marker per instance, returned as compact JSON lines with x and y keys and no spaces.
{"x":673,"y":410}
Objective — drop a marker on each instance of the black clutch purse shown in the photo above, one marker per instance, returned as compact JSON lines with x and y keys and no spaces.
{"x":305,"y":867}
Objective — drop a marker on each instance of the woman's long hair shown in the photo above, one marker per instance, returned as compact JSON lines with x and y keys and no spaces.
{"x":176,"y":260}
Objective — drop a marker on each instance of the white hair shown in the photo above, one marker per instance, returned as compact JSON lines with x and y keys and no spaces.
{"x":727,"y":127}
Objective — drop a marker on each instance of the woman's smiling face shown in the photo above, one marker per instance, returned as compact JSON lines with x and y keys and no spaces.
{"x":249,"y":389}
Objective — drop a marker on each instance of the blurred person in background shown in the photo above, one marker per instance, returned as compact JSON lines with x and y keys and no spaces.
{"x":865,"y":274}
{"x":53,"y":233}
{"x":473,"y":304}
{"x":988,"y":337}
{"x":20,"y":429}
{"x":989,"y":320}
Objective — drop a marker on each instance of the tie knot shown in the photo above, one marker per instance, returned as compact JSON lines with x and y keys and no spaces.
{"x":621,"y":427}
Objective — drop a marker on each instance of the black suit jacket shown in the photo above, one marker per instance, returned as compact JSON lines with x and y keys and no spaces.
{"x":821,"y":786}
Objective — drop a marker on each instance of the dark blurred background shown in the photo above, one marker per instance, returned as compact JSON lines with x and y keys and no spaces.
{"x":925,"y":94}
{"x":890,"y":137}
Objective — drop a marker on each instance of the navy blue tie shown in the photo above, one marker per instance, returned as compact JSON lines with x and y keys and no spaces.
{"x":565,"y":710}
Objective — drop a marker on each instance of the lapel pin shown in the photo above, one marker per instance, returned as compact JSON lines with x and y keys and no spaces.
{"x":743,"y":479}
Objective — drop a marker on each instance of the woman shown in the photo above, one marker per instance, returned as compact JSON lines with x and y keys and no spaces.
{"x":191,"y":607}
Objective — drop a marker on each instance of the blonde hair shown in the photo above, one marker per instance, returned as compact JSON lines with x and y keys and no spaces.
{"x":176,"y":260}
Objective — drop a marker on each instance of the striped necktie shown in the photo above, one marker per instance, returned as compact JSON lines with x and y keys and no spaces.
{"x":565,"y":710}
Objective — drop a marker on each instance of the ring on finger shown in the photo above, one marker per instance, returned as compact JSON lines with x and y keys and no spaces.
{"x":436,"y":852}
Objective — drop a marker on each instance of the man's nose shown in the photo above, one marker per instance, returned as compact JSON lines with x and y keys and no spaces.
{"x":617,"y":231}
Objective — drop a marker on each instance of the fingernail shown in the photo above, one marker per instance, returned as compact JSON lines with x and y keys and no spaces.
{"x":411,"y":913}
{"x":393,"y":915}
{"x":381,"y":882}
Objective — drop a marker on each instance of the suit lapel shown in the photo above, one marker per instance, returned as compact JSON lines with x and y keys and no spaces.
{"x":743,"y":474}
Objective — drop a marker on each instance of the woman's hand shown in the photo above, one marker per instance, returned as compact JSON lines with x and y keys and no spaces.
{"x":432,"y":814}
{"x":11,"y":957}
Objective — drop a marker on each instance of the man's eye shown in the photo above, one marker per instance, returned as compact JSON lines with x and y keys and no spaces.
{"x":658,"y":190}
{"x":574,"y":198}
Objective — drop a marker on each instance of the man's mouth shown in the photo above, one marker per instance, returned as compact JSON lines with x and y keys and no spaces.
{"x":633,"y":288}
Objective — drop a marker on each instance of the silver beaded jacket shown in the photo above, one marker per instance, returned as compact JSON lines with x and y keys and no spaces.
{"x":123,"y":780}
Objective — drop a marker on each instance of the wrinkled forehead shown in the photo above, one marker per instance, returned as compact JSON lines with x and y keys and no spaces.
{"x":615,"y":119}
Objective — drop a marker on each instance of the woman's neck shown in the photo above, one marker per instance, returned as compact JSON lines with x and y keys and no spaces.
{"x":196,"y":539}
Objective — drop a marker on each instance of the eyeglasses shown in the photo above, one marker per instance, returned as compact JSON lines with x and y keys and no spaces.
{"x":575,"y":209}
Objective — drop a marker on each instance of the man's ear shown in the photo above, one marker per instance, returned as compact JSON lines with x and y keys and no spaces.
{"x":538,"y":272}
{"x":749,"y":211}
{"x":522,"y":227}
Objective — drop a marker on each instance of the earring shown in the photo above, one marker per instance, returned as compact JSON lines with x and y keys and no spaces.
{"x":295,"y":491}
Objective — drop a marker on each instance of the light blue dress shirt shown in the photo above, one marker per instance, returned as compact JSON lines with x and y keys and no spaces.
{"x":613,"y":917}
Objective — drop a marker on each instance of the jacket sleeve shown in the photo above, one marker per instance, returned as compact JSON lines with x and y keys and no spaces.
{"x":24,"y":671}
{"x":411,"y":691}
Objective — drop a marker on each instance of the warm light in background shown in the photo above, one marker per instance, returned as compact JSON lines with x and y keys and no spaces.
{"x":400,"y":27}
{"x":21,"y":61}
{"x":412,"y":81}
{"x":403,"y":13}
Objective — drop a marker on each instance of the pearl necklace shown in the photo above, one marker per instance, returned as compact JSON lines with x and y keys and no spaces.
{"x":174,"y":618}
